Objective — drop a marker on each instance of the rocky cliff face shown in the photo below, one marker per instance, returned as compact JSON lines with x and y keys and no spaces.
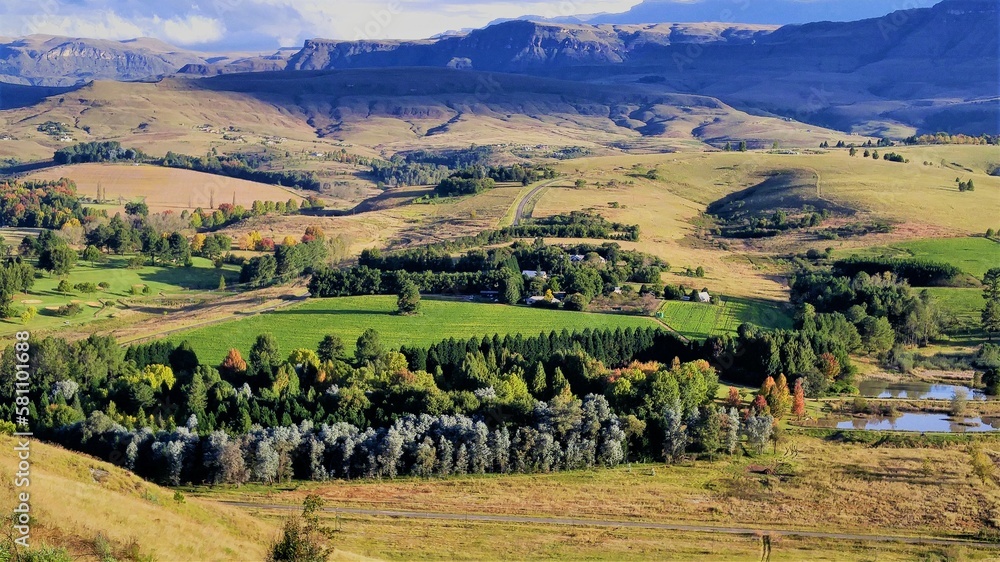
{"x":522,"y":46}
{"x":58,"y":61}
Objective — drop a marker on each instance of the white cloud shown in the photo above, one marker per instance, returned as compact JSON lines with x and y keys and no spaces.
{"x":192,"y":30}
{"x":266,"y":24}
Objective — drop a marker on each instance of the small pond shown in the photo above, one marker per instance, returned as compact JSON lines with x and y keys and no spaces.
{"x":915,"y":390}
{"x":938,"y":423}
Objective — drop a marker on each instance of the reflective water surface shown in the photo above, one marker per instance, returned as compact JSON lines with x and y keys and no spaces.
{"x":941,"y":423}
{"x":878,"y":388}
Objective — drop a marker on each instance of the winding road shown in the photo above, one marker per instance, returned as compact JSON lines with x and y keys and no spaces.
{"x":519,"y":213}
{"x":578,"y":522}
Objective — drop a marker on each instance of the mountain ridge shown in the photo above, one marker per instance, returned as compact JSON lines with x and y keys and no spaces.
{"x":910,"y":71}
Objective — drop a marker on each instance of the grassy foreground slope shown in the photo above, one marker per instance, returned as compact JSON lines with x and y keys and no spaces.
{"x":819,"y":485}
{"x":74,"y":498}
{"x":347,"y":317}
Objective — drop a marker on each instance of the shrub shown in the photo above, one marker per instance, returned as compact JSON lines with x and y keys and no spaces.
{"x":71,"y":309}
{"x":86,"y":287}
{"x":673,"y":293}
{"x":576,"y":302}
{"x":64,"y":287}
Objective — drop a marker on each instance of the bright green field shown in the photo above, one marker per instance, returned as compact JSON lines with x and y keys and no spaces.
{"x":965,"y":304}
{"x":161,"y":280}
{"x":699,"y":321}
{"x":972,"y":255}
{"x":305,"y":325}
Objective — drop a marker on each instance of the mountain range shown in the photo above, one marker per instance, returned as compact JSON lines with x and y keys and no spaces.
{"x":772,"y":12}
{"x":916,"y":70}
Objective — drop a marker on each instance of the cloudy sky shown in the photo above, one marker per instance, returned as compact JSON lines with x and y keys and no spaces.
{"x":268,"y":24}
{"x":265,"y":25}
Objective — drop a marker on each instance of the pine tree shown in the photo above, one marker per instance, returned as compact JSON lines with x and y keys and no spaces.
{"x":538,"y":381}
{"x":426,"y":459}
{"x":991,"y":294}
{"x":734,"y":400}
{"x":559,"y":383}
{"x":709,"y":430}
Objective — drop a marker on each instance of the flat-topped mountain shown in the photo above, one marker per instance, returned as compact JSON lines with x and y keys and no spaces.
{"x":911,"y":71}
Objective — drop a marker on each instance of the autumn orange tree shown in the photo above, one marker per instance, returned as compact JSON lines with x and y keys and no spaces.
{"x":734,"y":400}
{"x":233,"y":364}
{"x":829,"y":366}
{"x":313,"y":233}
{"x":799,"y":399}
{"x":777,"y":395}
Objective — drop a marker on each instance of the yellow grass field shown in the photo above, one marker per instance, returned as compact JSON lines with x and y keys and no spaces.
{"x":400,"y":223}
{"x":165,"y":188}
{"x":912,"y":192}
{"x":920,"y":199}
{"x":821,"y":485}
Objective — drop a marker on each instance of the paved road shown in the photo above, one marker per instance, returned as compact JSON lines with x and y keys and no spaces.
{"x":574,"y":522}
{"x":519,"y":214}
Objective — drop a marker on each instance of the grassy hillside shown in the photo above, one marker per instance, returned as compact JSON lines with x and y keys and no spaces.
{"x":392,"y":111}
{"x":165,"y":188}
{"x":823,"y":486}
{"x":920,"y":200}
{"x":75,"y":499}
{"x":305,"y":325}
{"x":913,"y":192}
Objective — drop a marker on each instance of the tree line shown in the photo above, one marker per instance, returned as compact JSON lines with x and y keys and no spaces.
{"x":577,"y":224}
{"x":919,"y":272}
{"x":41,"y":204}
{"x":234,"y":166}
{"x":585,"y":270}
{"x":153,"y":407}
{"x":476,"y":179}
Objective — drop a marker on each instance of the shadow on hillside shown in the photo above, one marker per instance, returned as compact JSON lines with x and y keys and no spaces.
{"x":16,"y":96}
{"x":190,"y":278}
{"x":789,"y":190}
